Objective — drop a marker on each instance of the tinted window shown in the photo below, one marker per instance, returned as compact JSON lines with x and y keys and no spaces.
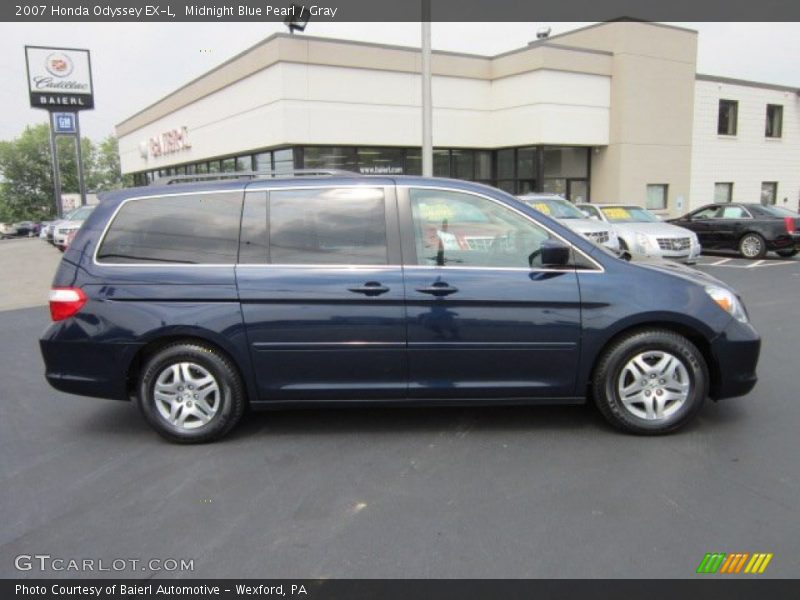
{"x":774,"y":211}
{"x":253,"y":239}
{"x":329,"y":226}
{"x":456,"y":229}
{"x":733,"y":212}
{"x":706,"y":213}
{"x":191,"y":229}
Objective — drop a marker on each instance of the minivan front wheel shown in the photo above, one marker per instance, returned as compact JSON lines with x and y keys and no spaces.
{"x":190,"y":393}
{"x":650,"y":382}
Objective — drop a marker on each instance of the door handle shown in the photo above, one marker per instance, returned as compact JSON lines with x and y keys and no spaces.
{"x":370,"y":288}
{"x":439,"y":288}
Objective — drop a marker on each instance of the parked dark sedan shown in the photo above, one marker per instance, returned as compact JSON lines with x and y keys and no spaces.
{"x":751,"y":229}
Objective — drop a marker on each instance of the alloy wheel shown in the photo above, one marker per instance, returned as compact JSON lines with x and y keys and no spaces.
{"x":654,"y":385}
{"x":187,"y":395}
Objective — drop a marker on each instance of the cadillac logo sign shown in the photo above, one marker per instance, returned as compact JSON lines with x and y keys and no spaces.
{"x":59,"y":78}
{"x":59,"y":64}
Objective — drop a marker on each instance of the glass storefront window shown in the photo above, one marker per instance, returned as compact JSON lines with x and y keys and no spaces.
{"x":571,"y":163}
{"x":441,"y":163}
{"x":463,"y":164}
{"x":244,"y":163}
{"x":555,"y":185}
{"x":328,"y":157}
{"x":228,"y":165}
{"x":413,"y":162}
{"x":505,"y":164}
{"x":483,"y":165}
{"x":263,"y":161}
{"x":213,"y":166}
{"x":283,"y":160}
{"x":201,"y":168}
{"x":380,"y":161}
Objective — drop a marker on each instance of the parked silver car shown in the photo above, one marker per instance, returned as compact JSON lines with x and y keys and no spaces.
{"x":73,"y":222}
{"x":562,"y":209}
{"x":642,"y":233}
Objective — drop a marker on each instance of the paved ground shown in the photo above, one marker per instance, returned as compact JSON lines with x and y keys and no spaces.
{"x":27,"y":266}
{"x":511,"y":492}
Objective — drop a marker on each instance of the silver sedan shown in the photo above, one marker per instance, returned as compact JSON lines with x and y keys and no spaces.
{"x":643,"y":233}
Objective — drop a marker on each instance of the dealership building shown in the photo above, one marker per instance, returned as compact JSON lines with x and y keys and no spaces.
{"x":613,"y":112}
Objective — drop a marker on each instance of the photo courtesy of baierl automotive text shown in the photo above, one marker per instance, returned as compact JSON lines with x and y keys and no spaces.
{"x":388,"y":300}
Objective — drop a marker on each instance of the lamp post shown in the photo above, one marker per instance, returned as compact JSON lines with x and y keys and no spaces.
{"x":427,"y":108}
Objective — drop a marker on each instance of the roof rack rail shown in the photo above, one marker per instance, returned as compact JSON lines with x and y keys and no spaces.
{"x":172,"y":179}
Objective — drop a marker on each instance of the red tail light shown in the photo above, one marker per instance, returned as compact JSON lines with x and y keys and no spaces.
{"x":65,"y":302}
{"x":791,"y":226}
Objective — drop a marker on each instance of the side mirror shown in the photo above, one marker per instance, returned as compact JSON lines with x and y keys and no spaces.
{"x":555,"y":253}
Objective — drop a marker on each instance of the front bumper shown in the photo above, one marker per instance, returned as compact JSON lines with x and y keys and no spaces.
{"x":735,"y":352}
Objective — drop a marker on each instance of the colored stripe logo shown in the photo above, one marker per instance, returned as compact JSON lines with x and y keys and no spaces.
{"x":735,"y":563}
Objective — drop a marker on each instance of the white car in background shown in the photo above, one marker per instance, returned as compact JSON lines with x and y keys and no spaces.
{"x":643,"y":233}
{"x":563,"y":210}
{"x":62,"y":229}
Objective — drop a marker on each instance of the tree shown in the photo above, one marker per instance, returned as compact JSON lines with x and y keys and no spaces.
{"x":26,"y":188}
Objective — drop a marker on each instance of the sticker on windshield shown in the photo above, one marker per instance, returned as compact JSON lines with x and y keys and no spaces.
{"x":616,"y":213}
{"x":435,"y":212}
{"x":542,"y":208}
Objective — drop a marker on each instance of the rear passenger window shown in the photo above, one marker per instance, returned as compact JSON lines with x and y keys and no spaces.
{"x":187,"y":229}
{"x":329,"y":226}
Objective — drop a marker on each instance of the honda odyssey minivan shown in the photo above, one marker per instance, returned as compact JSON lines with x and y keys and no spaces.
{"x":198,"y":300}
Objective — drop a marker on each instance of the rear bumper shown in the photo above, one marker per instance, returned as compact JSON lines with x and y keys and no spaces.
{"x":785,"y":242}
{"x":88,"y":368}
{"x":736,"y":351}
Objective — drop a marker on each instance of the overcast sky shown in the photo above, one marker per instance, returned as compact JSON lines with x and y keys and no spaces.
{"x":135,"y":64}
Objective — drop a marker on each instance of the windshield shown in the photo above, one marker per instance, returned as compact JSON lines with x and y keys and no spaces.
{"x":777,"y":211}
{"x":629,"y":214}
{"x":554,"y":207}
{"x":80,"y":214}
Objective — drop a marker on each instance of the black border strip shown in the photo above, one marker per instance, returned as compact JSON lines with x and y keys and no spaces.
{"x":393,"y":10}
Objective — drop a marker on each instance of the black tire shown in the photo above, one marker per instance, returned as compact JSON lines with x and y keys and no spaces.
{"x":231,"y":394}
{"x":752,"y":240}
{"x":610,"y":367}
{"x":787,"y":253}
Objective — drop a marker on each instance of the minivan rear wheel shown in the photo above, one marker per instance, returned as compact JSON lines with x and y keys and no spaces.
{"x":650,"y":382}
{"x":190,"y":393}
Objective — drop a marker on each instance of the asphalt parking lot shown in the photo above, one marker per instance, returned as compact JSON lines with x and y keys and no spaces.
{"x":410,"y":493}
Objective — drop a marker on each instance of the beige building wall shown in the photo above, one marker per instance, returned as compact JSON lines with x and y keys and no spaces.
{"x":652,"y":96}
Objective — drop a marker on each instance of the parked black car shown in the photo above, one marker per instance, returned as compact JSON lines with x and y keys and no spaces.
{"x":751,"y":229}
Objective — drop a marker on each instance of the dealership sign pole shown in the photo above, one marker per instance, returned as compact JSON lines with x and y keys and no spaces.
{"x":60,"y":82}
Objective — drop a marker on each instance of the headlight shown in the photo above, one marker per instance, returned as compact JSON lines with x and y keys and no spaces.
{"x":643,"y":241}
{"x":728,"y":302}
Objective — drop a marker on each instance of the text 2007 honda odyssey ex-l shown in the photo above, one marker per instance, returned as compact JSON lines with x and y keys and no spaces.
{"x":196,"y":300}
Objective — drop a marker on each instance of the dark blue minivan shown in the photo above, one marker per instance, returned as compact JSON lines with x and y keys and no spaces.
{"x":197,"y":300}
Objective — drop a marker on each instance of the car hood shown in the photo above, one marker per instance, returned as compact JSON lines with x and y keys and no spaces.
{"x":678,"y":269}
{"x":586,"y":225}
{"x":654,"y":229}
